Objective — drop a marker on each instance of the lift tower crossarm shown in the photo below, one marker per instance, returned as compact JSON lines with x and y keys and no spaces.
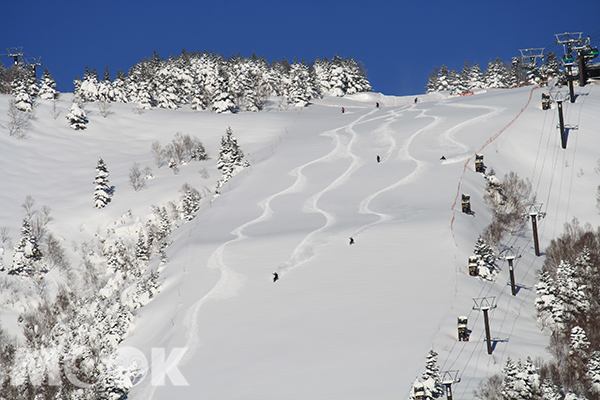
{"x":447,"y":378}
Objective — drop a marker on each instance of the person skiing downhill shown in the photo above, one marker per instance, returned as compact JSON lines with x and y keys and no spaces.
{"x":351,"y":240}
{"x":343,"y":110}
{"x":275,"y":276}
{"x":378,"y":159}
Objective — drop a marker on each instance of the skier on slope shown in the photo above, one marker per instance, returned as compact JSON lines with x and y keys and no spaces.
{"x":343,"y":110}
{"x":351,"y":240}
{"x":378,"y":158}
{"x":275,"y":276}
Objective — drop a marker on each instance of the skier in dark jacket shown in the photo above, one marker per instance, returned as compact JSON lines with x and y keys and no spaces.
{"x":351,"y":240}
{"x":378,"y":159}
{"x":275,"y":276}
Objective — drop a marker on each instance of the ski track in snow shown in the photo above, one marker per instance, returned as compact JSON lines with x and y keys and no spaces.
{"x":403,"y":154}
{"x":230,"y":281}
{"x":448,"y":135}
{"x":306,"y":249}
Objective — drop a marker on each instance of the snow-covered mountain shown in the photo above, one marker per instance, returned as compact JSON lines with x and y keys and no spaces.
{"x":343,"y":321}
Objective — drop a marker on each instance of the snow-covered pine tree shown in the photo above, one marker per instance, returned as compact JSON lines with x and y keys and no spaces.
{"x":119,"y":87}
{"x":88,"y":91}
{"x":496,"y":75}
{"x":356,"y":77}
{"x":231,"y":157}
{"x":515,"y":75}
{"x":454,"y":82}
{"x":47,"y":86}
{"x":593,"y":372}
{"x":222,"y":98}
{"x":27,"y":253}
{"x":301,"y":86}
{"x":142,"y":250}
{"x":486,"y":259}
{"x":77,"y":117}
{"x":20,"y":89}
{"x":322,"y":73}
{"x":433,"y":81}
{"x":102,"y":191}
{"x":464,"y":79}
{"x":550,"y":68}
{"x":4,"y":80}
{"x":513,"y":382}
{"x":105,"y":88}
{"x":443,"y":79}
{"x":190,"y":201}
{"x":431,"y":377}
{"x":475,"y":76}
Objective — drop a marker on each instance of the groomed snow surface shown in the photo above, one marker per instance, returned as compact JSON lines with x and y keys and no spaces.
{"x":343,"y":321}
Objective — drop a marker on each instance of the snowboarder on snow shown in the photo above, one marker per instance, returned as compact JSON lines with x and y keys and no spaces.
{"x":378,"y":159}
{"x":275,"y":276}
{"x":351,"y":240}
{"x":442,"y":158}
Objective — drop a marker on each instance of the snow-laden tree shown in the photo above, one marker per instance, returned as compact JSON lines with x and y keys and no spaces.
{"x":475,"y":77}
{"x":142,"y":250}
{"x":88,"y":90}
{"x":190,"y":201}
{"x":496,"y":75}
{"x":521,"y":381}
{"x":433,"y":81}
{"x":26,"y":254}
{"x":231,"y":157}
{"x":444,"y":83}
{"x":463,"y":83}
{"x":550,"y":67}
{"x":222,"y":100}
{"x":593,"y":372}
{"x":119,"y":87}
{"x":322,"y":72}
{"x":103,"y":190}
{"x":105,"y":88}
{"x":428,"y":386}
{"x":21,"y":89}
{"x":486,"y":259}
{"x":301,"y":87}
{"x":77,"y":117}
{"x":47,"y":86}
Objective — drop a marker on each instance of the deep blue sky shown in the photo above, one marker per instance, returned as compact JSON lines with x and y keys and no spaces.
{"x":398,"y":41}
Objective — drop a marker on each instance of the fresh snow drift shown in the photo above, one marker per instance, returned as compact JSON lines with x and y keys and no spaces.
{"x":344,"y":322}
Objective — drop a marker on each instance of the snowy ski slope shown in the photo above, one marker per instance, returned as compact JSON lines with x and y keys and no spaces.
{"x":342,"y":322}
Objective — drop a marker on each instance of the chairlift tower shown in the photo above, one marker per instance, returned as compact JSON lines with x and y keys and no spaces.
{"x":535,"y":213}
{"x":529,"y":58}
{"x":447,"y":378}
{"x":585,"y":52}
{"x":16,"y":53}
{"x":33,"y":62}
{"x":559,"y":97}
{"x":485,"y":304}
{"x":568,"y":40}
{"x":511,"y":254}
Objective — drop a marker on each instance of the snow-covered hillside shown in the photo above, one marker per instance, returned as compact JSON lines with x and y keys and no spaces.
{"x":343,"y":321}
